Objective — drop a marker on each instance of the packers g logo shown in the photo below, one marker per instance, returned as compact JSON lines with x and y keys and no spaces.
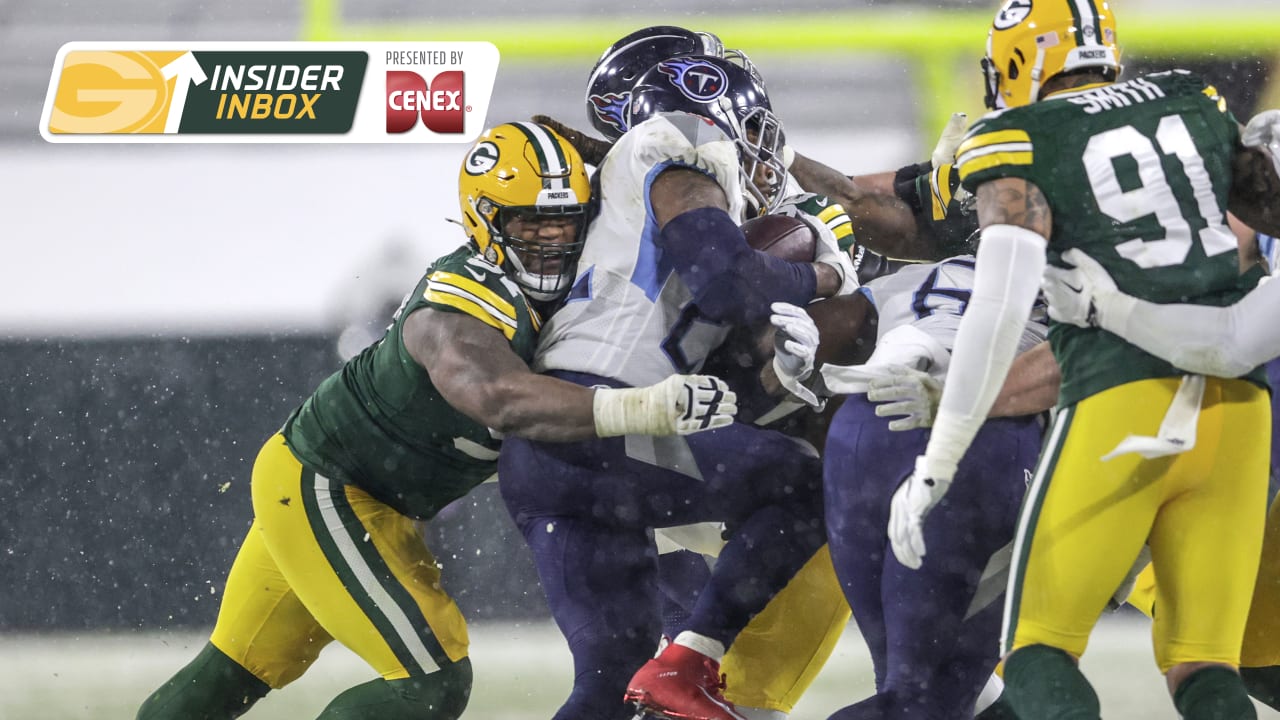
{"x":482,"y":159}
{"x":1013,"y":12}
{"x":104,"y":92}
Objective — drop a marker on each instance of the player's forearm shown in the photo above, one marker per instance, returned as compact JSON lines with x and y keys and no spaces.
{"x":1220,"y":341}
{"x":731,"y":282}
{"x":537,"y":407}
{"x":1032,"y":384}
{"x":881,"y":221}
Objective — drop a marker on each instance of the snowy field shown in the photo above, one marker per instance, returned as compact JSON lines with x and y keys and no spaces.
{"x":522,"y":672}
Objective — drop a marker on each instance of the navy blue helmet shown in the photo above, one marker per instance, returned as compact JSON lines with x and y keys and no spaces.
{"x":732,"y":98}
{"x":614,"y":74}
{"x":618,"y":69}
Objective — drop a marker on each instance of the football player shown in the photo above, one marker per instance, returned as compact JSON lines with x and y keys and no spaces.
{"x":666,"y":275}
{"x":1227,"y":341}
{"x":404,"y":428}
{"x":934,"y":634}
{"x":1138,"y":451}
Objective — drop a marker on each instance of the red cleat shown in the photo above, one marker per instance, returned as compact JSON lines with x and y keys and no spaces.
{"x":680,"y":684}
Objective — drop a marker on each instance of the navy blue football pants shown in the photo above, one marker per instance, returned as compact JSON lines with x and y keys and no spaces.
{"x":586,"y":510}
{"x":932,"y":646}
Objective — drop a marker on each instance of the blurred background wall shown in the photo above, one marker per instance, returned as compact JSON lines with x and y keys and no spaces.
{"x":162,"y":308}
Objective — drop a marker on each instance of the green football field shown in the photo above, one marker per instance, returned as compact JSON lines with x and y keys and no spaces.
{"x":522,"y":672}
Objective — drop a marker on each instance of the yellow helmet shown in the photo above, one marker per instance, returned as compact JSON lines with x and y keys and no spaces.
{"x":1033,"y":40}
{"x":525,"y":170}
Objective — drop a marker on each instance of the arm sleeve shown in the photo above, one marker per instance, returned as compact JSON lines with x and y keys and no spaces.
{"x":1222,"y":341}
{"x":730,"y":281}
{"x":1010,"y":263}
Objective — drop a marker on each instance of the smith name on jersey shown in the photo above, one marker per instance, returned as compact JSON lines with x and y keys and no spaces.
{"x":380,"y":423}
{"x":1137,"y":175}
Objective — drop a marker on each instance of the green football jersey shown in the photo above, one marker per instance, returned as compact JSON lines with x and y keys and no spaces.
{"x":380,"y":423}
{"x":1137,"y":175}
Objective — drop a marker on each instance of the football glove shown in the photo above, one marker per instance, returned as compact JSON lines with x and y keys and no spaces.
{"x":1085,"y":295}
{"x":828,"y":250}
{"x":679,"y":405}
{"x":907,"y":394}
{"x":911,"y":503}
{"x":952,"y":134}
{"x":795,"y":342}
{"x":1263,"y":133}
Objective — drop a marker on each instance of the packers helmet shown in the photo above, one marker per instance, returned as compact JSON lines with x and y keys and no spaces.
{"x":1032,"y":41}
{"x":525,"y":170}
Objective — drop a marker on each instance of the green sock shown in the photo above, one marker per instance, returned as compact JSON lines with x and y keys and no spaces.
{"x":211,"y":687}
{"x":1044,"y":683}
{"x":1263,"y":683}
{"x":998,"y":710}
{"x":1214,"y":693}
{"x":442,"y":695}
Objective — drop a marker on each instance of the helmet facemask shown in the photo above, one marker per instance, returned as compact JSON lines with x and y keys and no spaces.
{"x":525,"y":199}
{"x":760,"y":141}
{"x":543,"y":269}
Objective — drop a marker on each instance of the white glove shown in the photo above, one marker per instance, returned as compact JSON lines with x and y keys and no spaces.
{"x":911,"y":503}
{"x":795,"y":343}
{"x":829,"y":253}
{"x":679,"y":405}
{"x":828,"y":248}
{"x":906,"y":392}
{"x":1085,"y":295}
{"x":952,"y":134}
{"x":1263,"y":132}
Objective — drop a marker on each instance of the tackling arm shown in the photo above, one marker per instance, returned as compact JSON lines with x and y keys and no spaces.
{"x":1032,"y":384}
{"x":478,"y":374}
{"x":881,"y":221}
{"x":474,"y":368}
{"x":1221,"y":341}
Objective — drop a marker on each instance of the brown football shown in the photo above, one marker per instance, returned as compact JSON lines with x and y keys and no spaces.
{"x":782,"y":236}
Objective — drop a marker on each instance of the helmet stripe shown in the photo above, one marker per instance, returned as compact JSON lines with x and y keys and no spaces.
{"x":555,"y":168}
{"x":1085,"y":14}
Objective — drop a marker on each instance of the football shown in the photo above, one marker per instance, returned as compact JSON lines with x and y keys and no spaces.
{"x":782,"y":236}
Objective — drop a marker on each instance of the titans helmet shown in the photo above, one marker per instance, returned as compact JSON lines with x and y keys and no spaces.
{"x":616,"y":72}
{"x":525,"y":170}
{"x":731,"y":98}
{"x":1030,"y":43}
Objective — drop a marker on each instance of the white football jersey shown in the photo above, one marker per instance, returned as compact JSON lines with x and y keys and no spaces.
{"x":629,"y":315}
{"x":1270,"y":249}
{"x":931,"y":298}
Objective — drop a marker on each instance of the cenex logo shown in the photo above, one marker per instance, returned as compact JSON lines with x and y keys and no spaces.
{"x":441,"y":105}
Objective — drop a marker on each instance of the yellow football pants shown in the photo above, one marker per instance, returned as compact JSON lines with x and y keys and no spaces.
{"x":780,"y":652}
{"x":325,"y":561}
{"x":1261,"y":647}
{"x":1201,"y":512}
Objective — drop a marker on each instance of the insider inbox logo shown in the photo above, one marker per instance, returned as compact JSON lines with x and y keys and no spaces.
{"x":270,"y":92}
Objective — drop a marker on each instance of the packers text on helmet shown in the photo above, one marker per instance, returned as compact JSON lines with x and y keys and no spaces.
{"x":1032,"y":41}
{"x":517,"y":178}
